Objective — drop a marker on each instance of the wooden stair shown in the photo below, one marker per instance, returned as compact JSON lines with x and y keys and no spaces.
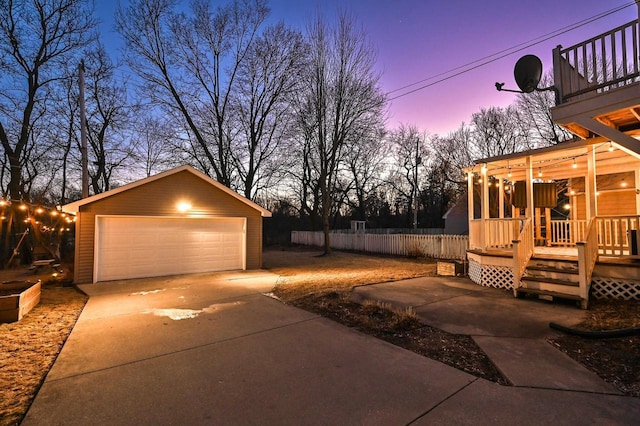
{"x":551,"y":277}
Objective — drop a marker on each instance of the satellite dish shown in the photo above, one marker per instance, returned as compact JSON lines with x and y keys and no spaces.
{"x":528,"y":72}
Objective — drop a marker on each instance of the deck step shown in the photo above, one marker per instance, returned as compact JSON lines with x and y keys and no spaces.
{"x":548,"y":280}
{"x":556,"y":294}
{"x":553,"y":269}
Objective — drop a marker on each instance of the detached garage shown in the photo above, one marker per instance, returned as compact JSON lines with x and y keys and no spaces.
{"x":177,"y":222}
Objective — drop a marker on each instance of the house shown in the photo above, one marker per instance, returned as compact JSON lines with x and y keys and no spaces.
{"x":176,"y":222}
{"x":562,"y":221}
{"x":456,"y":219}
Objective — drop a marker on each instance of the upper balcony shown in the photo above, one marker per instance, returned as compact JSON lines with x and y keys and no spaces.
{"x":598,"y":84}
{"x":598,"y":65}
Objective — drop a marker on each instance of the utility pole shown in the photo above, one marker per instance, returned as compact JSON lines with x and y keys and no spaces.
{"x":83,"y":135}
{"x":415,"y":185}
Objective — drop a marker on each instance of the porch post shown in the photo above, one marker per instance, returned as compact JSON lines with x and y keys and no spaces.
{"x":470,"y":197}
{"x":637,"y":175}
{"x":590,"y":189}
{"x":484,"y":204}
{"x":500,"y":198}
{"x":529,"y":179}
{"x":470,"y":209}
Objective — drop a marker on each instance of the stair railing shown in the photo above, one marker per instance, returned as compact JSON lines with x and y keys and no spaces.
{"x":587,"y":257}
{"x":522,"y":252}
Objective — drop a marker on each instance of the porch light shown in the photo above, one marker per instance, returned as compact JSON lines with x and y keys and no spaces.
{"x":183,"y":206}
{"x":539,"y":171}
{"x":509,"y":173}
{"x":575,"y":166}
{"x":567,"y":206}
{"x":23,"y":206}
{"x":611,"y":148}
{"x":484,"y":169}
{"x":623,"y":183}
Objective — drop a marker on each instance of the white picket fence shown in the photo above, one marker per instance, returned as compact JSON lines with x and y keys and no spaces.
{"x":452,"y":247}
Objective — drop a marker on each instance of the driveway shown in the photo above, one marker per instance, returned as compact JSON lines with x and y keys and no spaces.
{"x":213,"y":349}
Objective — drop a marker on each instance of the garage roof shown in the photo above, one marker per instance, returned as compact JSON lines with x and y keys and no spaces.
{"x":75,"y":206}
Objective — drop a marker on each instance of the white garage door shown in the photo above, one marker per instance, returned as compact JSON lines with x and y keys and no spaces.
{"x":135,"y":247}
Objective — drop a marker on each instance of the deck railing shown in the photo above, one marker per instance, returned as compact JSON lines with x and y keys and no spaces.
{"x":522,"y":252}
{"x":566,"y":233}
{"x":587,"y":257}
{"x":601,"y":63}
{"x":497,"y":234}
{"x":613,"y":234}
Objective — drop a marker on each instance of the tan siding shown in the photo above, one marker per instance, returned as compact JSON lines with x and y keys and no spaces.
{"x":159,"y":198}
{"x":582,"y":207}
{"x":617,"y":203}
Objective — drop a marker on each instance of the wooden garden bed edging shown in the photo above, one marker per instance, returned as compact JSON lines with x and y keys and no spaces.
{"x":17,"y":298}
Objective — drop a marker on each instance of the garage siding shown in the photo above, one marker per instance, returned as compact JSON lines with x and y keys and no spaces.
{"x":159,"y":198}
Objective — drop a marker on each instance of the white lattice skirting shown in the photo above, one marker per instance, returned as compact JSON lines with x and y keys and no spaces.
{"x":491,"y":276}
{"x":615,"y":288}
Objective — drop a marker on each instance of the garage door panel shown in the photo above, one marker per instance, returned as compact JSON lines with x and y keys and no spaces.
{"x":135,"y":247}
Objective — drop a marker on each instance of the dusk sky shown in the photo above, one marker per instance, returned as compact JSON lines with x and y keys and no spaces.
{"x":419,"y":39}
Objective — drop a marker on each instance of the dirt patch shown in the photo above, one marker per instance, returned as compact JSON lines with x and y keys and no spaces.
{"x":402,"y":328}
{"x":615,"y":360}
{"x":29,"y":347}
{"x":311,"y":281}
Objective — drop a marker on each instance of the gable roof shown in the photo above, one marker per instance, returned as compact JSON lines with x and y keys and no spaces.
{"x":75,"y":206}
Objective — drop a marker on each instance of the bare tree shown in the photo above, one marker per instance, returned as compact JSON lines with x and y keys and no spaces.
{"x":190,"y":65}
{"x":498,"y":131}
{"x":340,"y":99}
{"x":154,"y":145}
{"x":410,"y":156}
{"x":37,"y":39}
{"x":267,"y":79}
{"x":364,"y":168}
{"x":534,"y":110}
{"x":108,"y":114}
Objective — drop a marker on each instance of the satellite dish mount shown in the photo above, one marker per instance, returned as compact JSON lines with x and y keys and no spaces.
{"x":527,"y":73}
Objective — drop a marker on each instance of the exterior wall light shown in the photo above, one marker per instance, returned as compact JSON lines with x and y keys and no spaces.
{"x":183,"y":206}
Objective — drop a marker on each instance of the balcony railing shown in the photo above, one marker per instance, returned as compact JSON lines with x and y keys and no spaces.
{"x":599,"y":64}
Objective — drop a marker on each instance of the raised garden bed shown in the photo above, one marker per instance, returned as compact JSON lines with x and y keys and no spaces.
{"x":17,"y":298}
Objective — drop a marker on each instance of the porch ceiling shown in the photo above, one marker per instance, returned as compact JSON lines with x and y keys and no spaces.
{"x":557,"y":162}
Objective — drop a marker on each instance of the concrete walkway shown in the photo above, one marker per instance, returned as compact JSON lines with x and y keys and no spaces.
{"x":512,"y":332}
{"x":212,"y":349}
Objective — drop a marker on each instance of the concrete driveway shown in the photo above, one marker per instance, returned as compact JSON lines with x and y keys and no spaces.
{"x":213,"y":349}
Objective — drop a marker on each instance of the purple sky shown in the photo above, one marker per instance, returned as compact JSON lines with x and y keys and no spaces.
{"x":418,"y":39}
